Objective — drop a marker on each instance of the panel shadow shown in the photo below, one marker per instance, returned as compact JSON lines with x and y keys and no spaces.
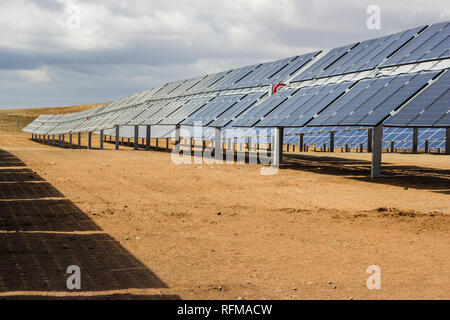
{"x":38,"y":262}
{"x":436,"y":180}
{"x":40,"y":238}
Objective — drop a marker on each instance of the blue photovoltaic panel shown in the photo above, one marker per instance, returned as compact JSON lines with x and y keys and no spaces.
{"x":208,"y":81}
{"x":386,"y":48}
{"x":323,"y":63}
{"x":210,"y":111}
{"x":274,"y":72}
{"x":344,"y":63}
{"x":168,"y":88}
{"x":150,"y":109}
{"x":184,"y":88}
{"x":283,"y":111}
{"x":163,"y":113}
{"x":358,"y":94}
{"x":293,"y":66}
{"x":368,"y":54}
{"x":184,"y":112}
{"x":370,"y":101}
{"x":435,"y":113}
{"x":260,"y":75}
{"x":358,"y":108}
{"x":231,"y":78}
{"x":355,"y":136}
{"x":379,"y":113}
{"x":257,"y":112}
{"x":386,"y":100}
{"x":306,"y":103}
{"x":441,"y":51}
{"x":237,"y":109}
{"x":422,"y":47}
{"x":444,"y":121}
{"x":418,"y":108}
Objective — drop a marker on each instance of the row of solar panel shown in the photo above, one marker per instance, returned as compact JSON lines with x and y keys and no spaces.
{"x":362,"y":103}
{"x":365,"y":102}
{"x":414,"y":45}
{"x":411,"y":46}
{"x":216,"y":112}
{"x":354,"y":137}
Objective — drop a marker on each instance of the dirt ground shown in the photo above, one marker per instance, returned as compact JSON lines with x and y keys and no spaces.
{"x":140,"y":226}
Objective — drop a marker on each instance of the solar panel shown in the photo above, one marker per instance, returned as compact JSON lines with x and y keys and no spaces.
{"x":421,"y":47}
{"x":385,"y":49}
{"x":257,"y":112}
{"x":299,"y":98}
{"x":233,"y":77}
{"x":371,"y":101}
{"x":323,"y":63}
{"x":351,"y":58}
{"x":325,"y":102}
{"x":150,"y":109}
{"x":260,"y":75}
{"x":291,"y":68}
{"x":184,"y":87}
{"x":163,"y":113}
{"x":359,"y":93}
{"x":212,"y":109}
{"x":389,"y":99}
{"x":185,"y":111}
{"x":444,"y":121}
{"x":111,"y":121}
{"x":435,"y":113}
{"x":299,"y":109}
{"x":237,"y":109}
{"x":207,"y":82}
{"x":417,"y":111}
{"x":167,"y":89}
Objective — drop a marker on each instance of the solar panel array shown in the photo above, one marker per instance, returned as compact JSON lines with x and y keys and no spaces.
{"x":352,"y":85}
{"x":355,"y":136}
{"x":430,"y":109}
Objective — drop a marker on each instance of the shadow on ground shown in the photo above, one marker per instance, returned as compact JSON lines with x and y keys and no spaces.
{"x":416,"y":177}
{"x":42,"y":234}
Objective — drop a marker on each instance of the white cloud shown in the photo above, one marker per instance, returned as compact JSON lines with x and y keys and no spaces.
{"x":158,"y":40}
{"x":38,"y":75}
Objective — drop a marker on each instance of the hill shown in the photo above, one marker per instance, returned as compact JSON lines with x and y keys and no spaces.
{"x":14,"y":120}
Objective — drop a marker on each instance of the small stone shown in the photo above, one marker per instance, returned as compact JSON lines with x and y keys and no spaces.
{"x":65,"y":246}
{"x":350,"y":298}
{"x":219,"y":213}
{"x":220,"y":288}
{"x":295,"y":289}
{"x":333,"y":287}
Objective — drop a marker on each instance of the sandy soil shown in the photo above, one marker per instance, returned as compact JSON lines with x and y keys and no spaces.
{"x":225,"y":231}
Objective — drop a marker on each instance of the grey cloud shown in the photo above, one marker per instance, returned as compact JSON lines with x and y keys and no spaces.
{"x":128,"y":46}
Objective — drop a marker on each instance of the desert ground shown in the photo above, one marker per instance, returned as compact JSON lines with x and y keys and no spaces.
{"x":141,"y":227}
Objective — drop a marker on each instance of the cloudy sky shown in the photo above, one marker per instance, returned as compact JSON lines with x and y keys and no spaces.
{"x":67,"y":52}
